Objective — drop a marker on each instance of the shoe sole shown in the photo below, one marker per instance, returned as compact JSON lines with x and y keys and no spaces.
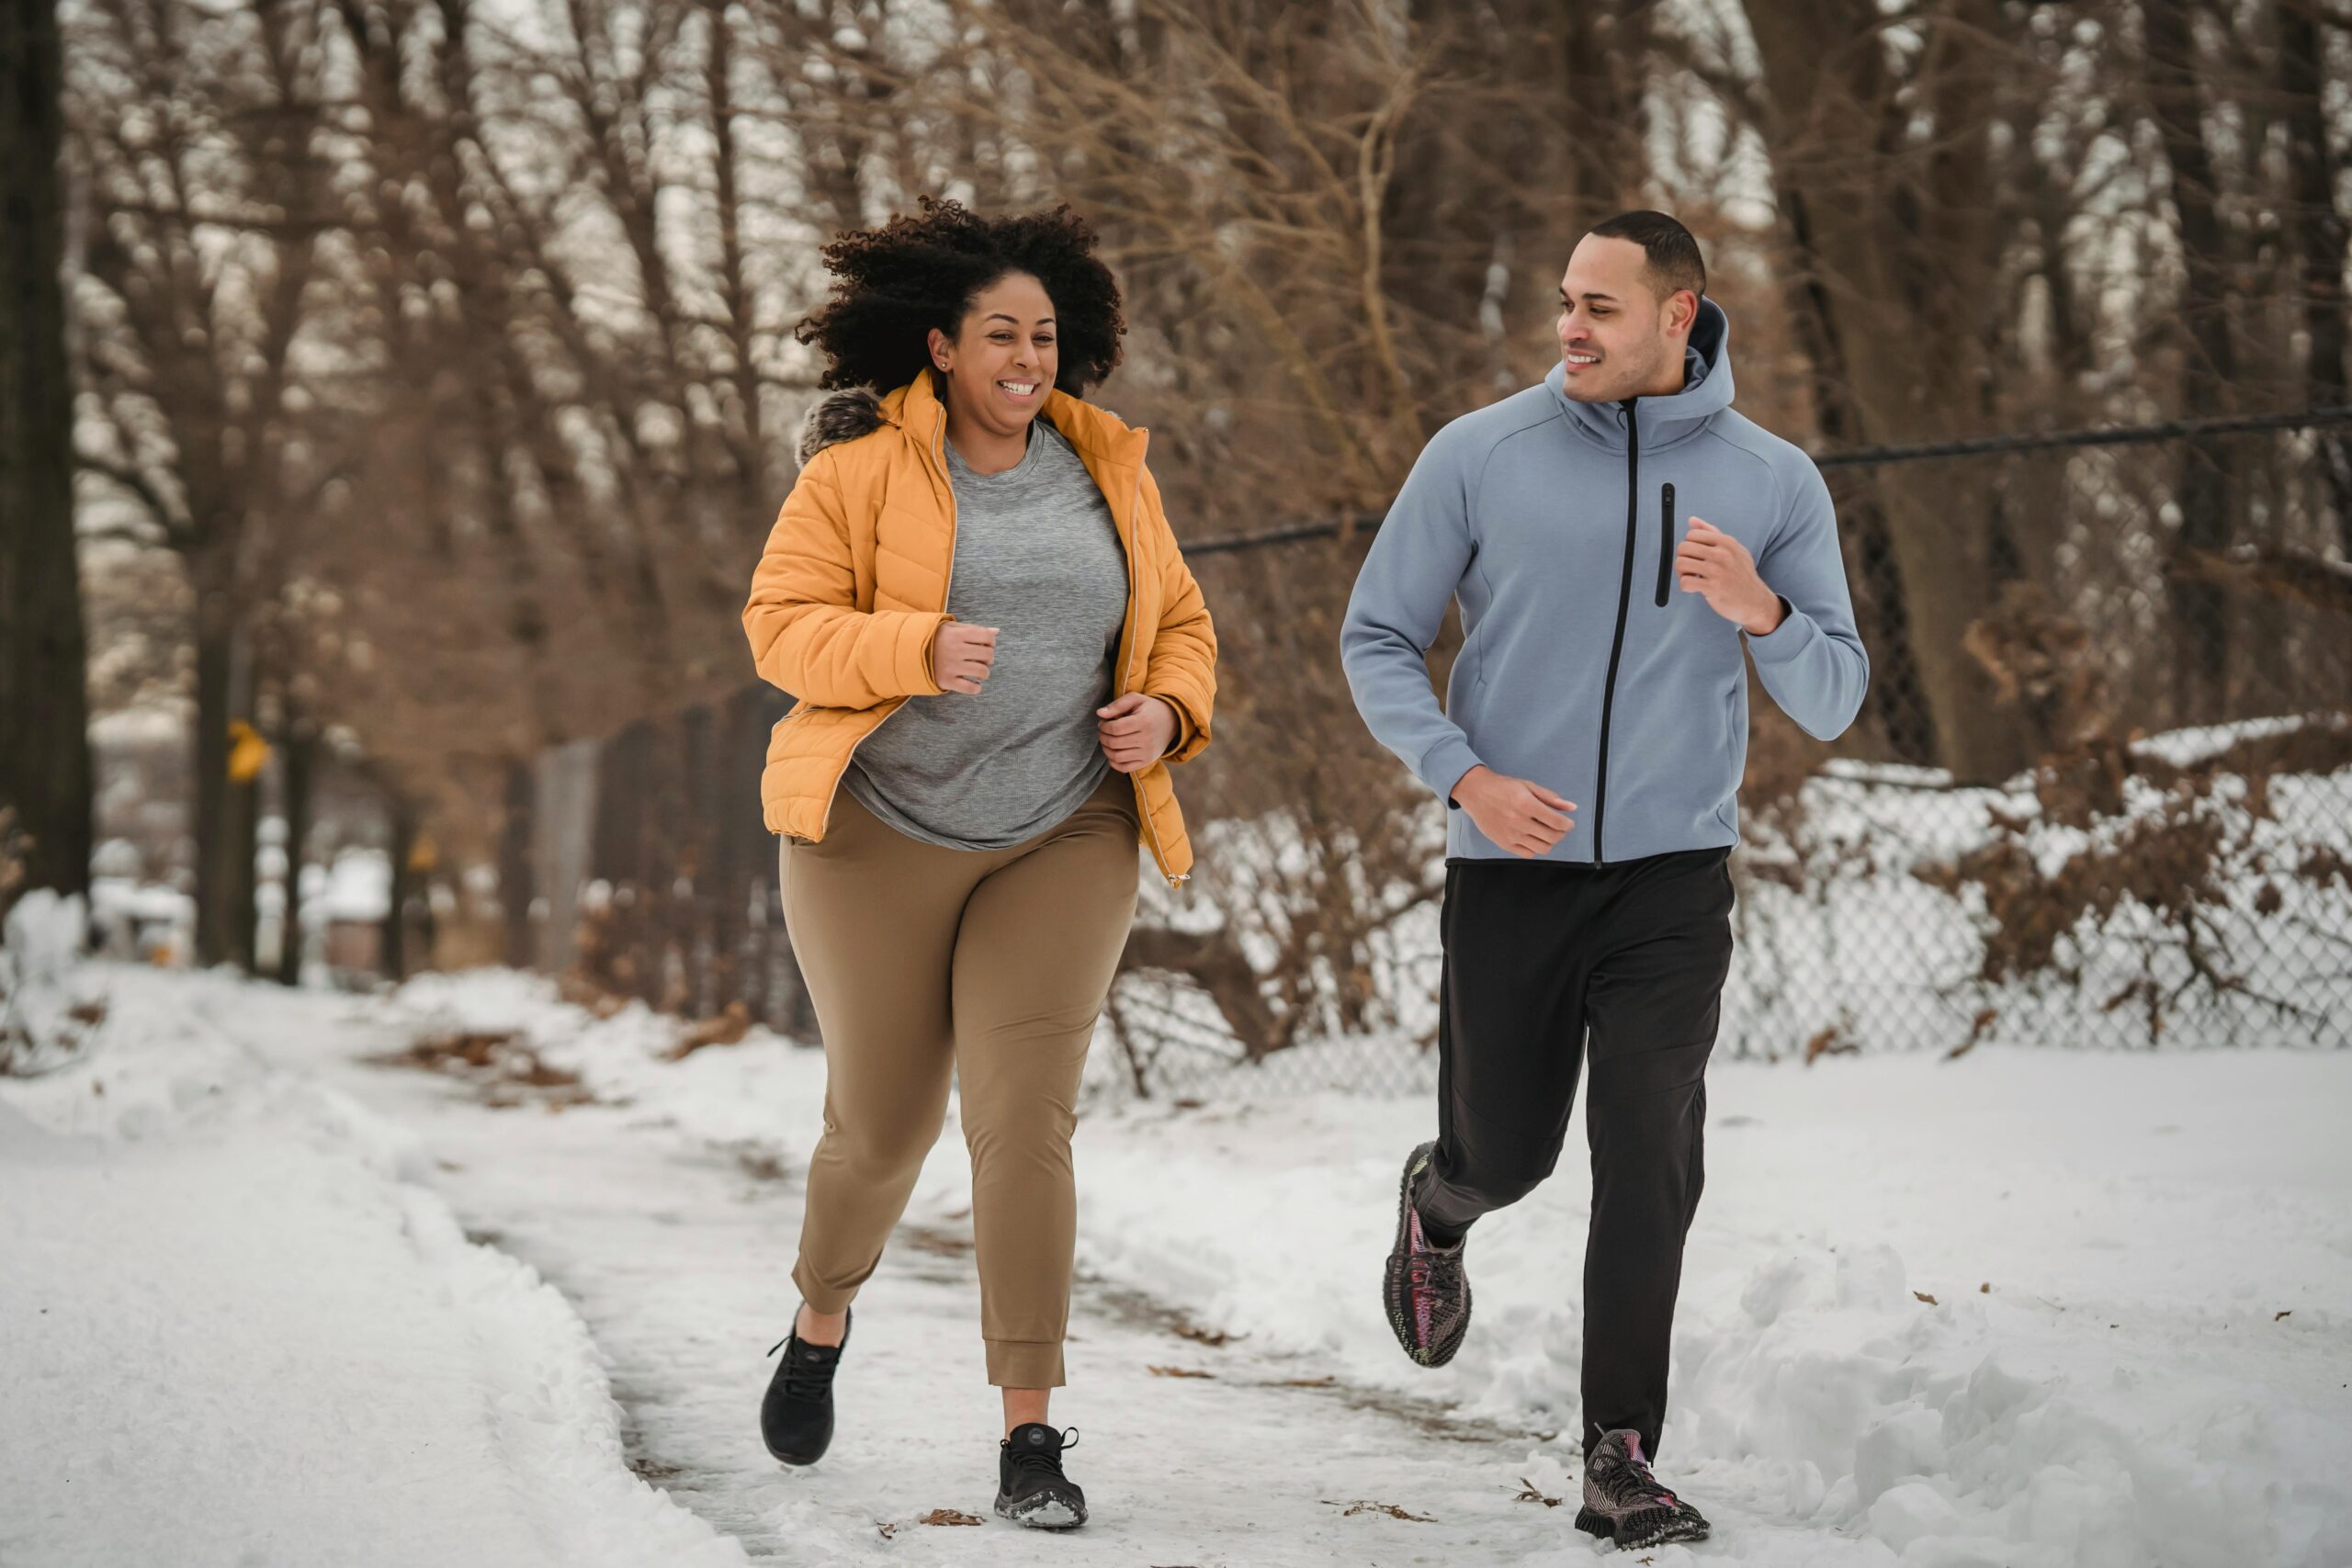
{"x":1650,"y":1527}
{"x":1044,"y":1513}
{"x":798,"y":1462}
{"x":1400,"y":1322}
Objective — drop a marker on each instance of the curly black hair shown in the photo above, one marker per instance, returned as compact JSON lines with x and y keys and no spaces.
{"x":893,"y":283}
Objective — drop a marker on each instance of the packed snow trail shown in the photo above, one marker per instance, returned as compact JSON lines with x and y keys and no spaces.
{"x":675,"y":1252}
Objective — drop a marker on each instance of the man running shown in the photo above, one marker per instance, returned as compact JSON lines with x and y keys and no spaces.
{"x":1612,"y":534}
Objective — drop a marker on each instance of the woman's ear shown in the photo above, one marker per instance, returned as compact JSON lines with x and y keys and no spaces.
{"x":941,"y":349}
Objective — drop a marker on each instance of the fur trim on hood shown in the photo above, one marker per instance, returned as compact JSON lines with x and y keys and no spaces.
{"x":840,"y":416}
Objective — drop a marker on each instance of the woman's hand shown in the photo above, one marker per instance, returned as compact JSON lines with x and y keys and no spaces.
{"x":961,"y":656}
{"x":1136,"y":730}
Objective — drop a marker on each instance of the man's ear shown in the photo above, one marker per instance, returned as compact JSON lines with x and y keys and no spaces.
{"x":1683,"y":311}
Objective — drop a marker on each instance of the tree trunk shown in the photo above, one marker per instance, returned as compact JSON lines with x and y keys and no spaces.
{"x":1892,"y":265}
{"x":245,"y":872}
{"x":516,"y":836}
{"x":2201,"y":630}
{"x":44,"y":717}
{"x":403,"y":844}
{"x":2320,"y":241}
{"x":300,"y":755}
{"x":215,"y":905}
{"x":227,"y":811}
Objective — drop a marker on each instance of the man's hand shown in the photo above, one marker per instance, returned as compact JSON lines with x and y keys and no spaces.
{"x":961,"y":656}
{"x":1135,"y":730}
{"x":1523,"y":817}
{"x":1711,"y":562}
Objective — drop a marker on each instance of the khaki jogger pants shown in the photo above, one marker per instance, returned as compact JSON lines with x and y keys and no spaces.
{"x":992,"y":965}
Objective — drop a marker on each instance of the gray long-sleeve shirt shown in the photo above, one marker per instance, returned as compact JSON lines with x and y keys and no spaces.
{"x":1038,"y":557}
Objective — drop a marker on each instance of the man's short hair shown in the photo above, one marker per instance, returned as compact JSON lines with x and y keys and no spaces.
{"x":1674,"y":259}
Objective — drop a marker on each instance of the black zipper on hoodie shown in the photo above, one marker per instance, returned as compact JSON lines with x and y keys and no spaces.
{"x":1665,"y":541}
{"x":1617,"y":643}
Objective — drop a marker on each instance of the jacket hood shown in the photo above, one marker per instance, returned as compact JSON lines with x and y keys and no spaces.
{"x":840,"y":416}
{"x":1706,"y":390}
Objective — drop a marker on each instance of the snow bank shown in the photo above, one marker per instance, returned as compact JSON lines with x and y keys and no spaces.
{"x":47,"y":1010}
{"x":44,"y":934}
{"x":234,"y":1335}
{"x":2126,"y":1393}
{"x":1840,"y":936}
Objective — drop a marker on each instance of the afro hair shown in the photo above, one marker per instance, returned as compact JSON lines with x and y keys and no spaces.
{"x":891,"y":285}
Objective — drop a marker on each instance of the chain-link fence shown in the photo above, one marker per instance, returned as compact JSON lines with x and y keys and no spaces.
{"x":2101,"y":794}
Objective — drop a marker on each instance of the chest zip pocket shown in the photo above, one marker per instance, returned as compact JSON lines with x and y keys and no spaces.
{"x":1665,"y":541}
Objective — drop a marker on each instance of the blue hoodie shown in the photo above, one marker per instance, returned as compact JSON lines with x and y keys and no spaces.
{"x":1584,"y":665}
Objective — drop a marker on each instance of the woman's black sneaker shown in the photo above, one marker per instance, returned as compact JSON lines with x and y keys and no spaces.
{"x":797,"y":1416}
{"x":1423,"y":1289}
{"x":1625,"y":1503}
{"x":1031,"y":1488}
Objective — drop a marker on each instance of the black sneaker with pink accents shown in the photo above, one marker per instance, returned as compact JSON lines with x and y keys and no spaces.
{"x":1625,"y":1503}
{"x":1425,"y":1291}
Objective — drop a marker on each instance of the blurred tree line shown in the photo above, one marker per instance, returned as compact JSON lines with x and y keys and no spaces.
{"x":444,"y":350}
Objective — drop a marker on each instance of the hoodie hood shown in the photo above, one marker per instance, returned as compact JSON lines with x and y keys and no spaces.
{"x":1706,"y":391}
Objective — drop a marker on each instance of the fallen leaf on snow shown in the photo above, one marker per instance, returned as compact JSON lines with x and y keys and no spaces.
{"x":1533,"y":1496}
{"x":1364,"y":1505}
{"x":1923,"y":1295}
{"x":1211,"y":1337}
{"x":1178,"y":1372}
{"x":947,"y":1517}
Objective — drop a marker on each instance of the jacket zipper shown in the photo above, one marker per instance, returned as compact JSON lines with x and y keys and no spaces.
{"x":940,"y":457}
{"x":1617,"y":642}
{"x":1143,"y":811}
{"x":1134,"y":604}
{"x":1665,"y":541}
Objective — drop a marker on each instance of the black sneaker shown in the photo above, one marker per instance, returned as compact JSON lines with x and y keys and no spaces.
{"x":1031,"y":1488}
{"x":1625,"y":1503}
{"x":1427,"y":1294}
{"x":797,"y":1416}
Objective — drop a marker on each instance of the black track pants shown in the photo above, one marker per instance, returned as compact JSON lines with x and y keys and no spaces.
{"x":1545,"y":965}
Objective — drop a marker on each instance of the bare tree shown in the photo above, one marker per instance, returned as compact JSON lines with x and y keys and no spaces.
{"x":197,"y":130}
{"x":44,"y":741}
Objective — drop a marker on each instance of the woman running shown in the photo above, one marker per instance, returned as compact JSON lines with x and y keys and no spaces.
{"x":997,"y":650}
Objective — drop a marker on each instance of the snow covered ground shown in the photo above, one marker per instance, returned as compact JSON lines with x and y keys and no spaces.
{"x":231,"y":1331}
{"x":240,"y":1320}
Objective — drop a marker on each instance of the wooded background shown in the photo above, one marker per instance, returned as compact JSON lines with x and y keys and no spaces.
{"x":432,"y":388}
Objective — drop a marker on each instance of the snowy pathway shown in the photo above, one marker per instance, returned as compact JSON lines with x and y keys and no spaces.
{"x":674,"y":1252}
{"x":2028,"y":1309}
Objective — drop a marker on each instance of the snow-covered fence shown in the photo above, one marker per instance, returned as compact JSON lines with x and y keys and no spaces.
{"x":1886,"y":908}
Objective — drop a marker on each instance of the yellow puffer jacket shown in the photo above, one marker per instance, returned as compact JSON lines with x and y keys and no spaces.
{"x":853,"y":588}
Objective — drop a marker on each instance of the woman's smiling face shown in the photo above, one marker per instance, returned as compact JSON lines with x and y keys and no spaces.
{"x":1003,"y":359}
